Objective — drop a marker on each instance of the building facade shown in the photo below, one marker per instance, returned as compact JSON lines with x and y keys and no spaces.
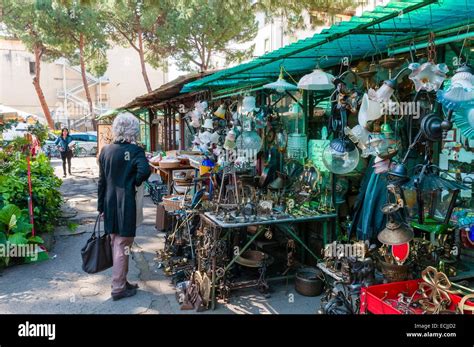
{"x":62,"y":84}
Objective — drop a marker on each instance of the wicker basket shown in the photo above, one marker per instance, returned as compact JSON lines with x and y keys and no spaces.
{"x":173,"y":202}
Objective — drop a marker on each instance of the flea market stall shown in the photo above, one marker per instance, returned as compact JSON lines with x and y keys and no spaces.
{"x":342,"y":162}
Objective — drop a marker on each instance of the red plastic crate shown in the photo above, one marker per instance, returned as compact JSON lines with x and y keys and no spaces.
{"x":371,"y":297}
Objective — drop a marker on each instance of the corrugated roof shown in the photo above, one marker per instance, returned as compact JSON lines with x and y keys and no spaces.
{"x":361,"y":36}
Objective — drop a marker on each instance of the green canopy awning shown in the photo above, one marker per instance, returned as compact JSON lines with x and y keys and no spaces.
{"x":362,"y":36}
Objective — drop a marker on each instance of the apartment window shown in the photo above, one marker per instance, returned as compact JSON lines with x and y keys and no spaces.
{"x":32,"y":67}
{"x":266,"y":45}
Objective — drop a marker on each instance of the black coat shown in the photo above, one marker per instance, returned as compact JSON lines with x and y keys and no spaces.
{"x":122,"y":167}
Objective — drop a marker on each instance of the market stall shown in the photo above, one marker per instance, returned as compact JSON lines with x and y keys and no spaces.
{"x":342,"y":160}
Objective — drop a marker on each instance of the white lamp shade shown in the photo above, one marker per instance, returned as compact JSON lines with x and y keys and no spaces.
{"x":208,"y":124}
{"x":369,"y":110}
{"x":317,"y":80}
{"x":280,"y":85}
{"x":248,"y":104}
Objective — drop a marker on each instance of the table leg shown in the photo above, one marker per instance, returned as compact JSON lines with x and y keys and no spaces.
{"x":214,"y":265}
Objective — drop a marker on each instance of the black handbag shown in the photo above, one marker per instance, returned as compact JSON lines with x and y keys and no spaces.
{"x":97,"y":253}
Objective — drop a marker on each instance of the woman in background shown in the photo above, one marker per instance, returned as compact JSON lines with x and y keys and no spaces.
{"x":63,"y":142}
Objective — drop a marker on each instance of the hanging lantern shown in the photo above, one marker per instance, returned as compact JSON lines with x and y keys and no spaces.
{"x":430,"y":200}
{"x":340,"y":156}
{"x":297,"y":146}
{"x":395,"y":233}
{"x":317,"y":80}
{"x":428,"y":76}
{"x":280,"y":86}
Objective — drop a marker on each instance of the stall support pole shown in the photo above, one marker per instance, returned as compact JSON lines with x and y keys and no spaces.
{"x":325,"y":234}
{"x":153,"y":130}
{"x":173,"y":129}
{"x":181,"y":132}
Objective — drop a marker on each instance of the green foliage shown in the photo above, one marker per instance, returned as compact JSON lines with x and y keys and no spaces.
{"x":197,"y":30}
{"x":72,"y":226}
{"x":40,"y":131}
{"x":15,"y":229}
{"x":45,"y":186}
{"x":67,"y":21}
{"x":7,"y":125}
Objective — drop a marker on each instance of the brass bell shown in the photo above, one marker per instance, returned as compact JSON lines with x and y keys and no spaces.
{"x":395,"y":234}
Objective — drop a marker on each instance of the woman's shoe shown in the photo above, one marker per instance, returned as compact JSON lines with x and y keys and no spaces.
{"x":129,"y":285}
{"x":126,"y":293}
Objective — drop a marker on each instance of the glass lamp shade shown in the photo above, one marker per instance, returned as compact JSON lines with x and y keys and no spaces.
{"x":340,"y":156}
{"x":281,"y":85}
{"x":385,"y":92}
{"x":208,"y":124}
{"x":464,"y":120}
{"x":428,"y":76}
{"x":369,"y":110}
{"x":460,"y":93}
{"x":201,"y":106}
{"x":359,"y":135}
{"x":220,"y":112}
{"x":249,"y":141}
{"x":317,"y":80}
{"x":248,"y":104}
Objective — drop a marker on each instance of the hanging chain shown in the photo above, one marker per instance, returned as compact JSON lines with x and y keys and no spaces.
{"x":431,"y":48}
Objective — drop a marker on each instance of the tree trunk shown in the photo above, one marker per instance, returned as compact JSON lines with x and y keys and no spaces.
{"x":142,"y":61}
{"x":84,"y":79}
{"x":37,"y":84}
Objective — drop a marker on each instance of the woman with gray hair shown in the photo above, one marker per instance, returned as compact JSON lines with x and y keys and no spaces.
{"x":122,"y":168}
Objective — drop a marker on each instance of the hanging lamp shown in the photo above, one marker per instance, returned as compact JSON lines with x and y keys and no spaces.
{"x":280,"y":85}
{"x":317,"y":80}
